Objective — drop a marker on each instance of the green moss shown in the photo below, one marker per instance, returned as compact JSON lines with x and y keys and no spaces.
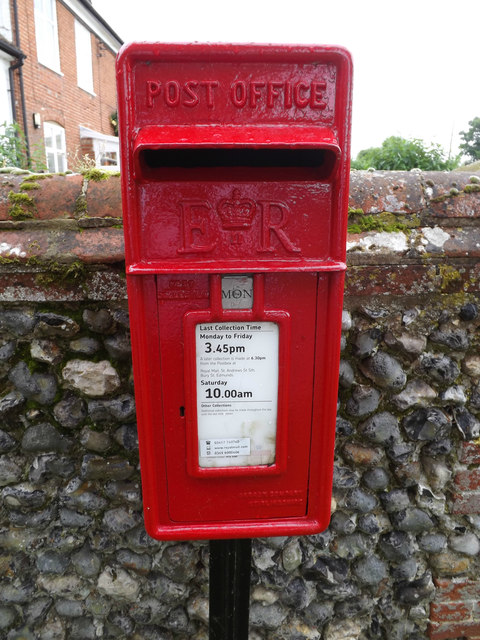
{"x":385,"y":221}
{"x":366,"y":223}
{"x":4,"y":260}
{"x":22,"y":206}
{"x":57,"y":272}
{"x":35,"y":177}
{"x":21,"y":198}
{"x":29,"y":186}
{"x":96,"y":175}
{"x":472,"y":188}
{"x":17,"y":212}
{"x":441,"y":198}
{"x":454,"y":192}
{"x":35,"y":261}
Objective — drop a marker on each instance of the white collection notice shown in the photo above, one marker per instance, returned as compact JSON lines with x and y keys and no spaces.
{"x":237,"y":393}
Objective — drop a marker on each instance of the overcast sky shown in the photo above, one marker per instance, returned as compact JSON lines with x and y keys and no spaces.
{"x":416,"y":62}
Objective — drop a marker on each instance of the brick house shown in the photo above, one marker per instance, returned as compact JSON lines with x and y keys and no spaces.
{"x":57,"y":80}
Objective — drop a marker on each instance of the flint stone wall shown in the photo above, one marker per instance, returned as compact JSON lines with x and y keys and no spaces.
{"x":400,"y":559}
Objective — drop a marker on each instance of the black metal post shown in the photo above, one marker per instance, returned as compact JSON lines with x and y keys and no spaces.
{"x":230,"y":563}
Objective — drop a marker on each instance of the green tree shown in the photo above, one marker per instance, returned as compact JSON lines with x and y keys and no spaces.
{"x":471,"y":140}
{"x":400,"y":154}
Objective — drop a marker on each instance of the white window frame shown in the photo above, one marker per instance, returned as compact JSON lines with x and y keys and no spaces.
{"x":6,"y":115}
{"x":84,"y":57}
{"x":5,"y":20}
{"x":57,"y":153}
{"x":103,"y":150}
{"x":46,"y":33}
{"x":102,"y":145}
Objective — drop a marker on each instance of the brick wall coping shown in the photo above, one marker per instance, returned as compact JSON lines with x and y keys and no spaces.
{"x":71,"y":225}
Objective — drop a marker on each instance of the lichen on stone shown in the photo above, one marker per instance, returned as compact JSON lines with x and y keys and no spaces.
{"x":448,"y":274}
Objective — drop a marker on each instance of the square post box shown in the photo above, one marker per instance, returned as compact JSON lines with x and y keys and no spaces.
{"x":235,"y":177}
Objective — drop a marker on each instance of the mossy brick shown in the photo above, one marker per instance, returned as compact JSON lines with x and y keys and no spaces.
{"x":466,"y":503}
{"x":450,"y":611}
{"x":98,"y":246}
{"x":50,"y":205}
{"x":7,"y":184}
{"x":440,"y":183}
{"x":453,"y":630}
{"x":463,"y":242}
{"x":23,"y":246}
{"x":386,"y":191}
{"x":27,"y":287}
{"x":22,"y":206}
{"x":468,"y":480}
{"x":55,"y":197}
{"x":409,"y":279}
{"x":44,"y":247}
{"x":469,"y":453}
{"x":104,"y":199}
{"x":456,"y":590}
{"x":463,"y":205}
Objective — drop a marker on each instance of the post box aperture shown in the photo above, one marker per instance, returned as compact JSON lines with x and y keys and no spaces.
{"x":235,"y":164}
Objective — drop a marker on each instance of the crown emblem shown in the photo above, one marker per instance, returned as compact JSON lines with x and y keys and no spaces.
{"x":236,"y":212}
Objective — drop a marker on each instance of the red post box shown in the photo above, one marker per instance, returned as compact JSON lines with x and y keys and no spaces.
{"x":235,"y":166}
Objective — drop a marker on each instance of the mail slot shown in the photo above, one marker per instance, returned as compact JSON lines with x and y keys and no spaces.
{"x":235,"y":166}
